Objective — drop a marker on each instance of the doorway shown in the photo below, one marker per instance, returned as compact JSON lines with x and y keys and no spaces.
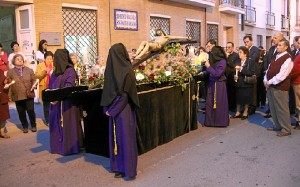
{"x":8,"y":27}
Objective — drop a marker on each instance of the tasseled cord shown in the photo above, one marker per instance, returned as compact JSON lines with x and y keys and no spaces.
{"x":115,"y":139}
{"x":215,"y":96}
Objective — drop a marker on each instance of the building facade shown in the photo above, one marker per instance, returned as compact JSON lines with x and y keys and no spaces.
{"x":264,"y":18}
{"x":294,"y":19}
{"x":95,"y":25}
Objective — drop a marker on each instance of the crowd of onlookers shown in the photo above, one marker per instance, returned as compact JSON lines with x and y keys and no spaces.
{"x":18,"y":82}
{"x":275,"y":73}
{"x":253,"y":77}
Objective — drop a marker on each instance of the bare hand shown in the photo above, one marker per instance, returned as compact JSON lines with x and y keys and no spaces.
{"x":238,"y":68}
{"x":207,"y":64}
{"x":266,"y":83}
{"x":235,"y":77}
{"x":53,"y":102}
{"x":107,"y":113}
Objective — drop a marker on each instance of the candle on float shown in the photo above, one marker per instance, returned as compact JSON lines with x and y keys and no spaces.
{"x":192,"y":51}
{"x":84,"y":55}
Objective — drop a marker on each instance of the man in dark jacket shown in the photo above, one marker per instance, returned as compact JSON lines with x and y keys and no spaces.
{"x":232,"y":60}
{"x":254,"y":56}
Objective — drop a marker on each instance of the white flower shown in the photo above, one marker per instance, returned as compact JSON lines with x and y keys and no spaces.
{"x":139,"y":77}
{"x":167,"y":73}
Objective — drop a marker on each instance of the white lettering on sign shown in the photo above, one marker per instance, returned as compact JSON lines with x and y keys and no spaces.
{"x":126,"y":20}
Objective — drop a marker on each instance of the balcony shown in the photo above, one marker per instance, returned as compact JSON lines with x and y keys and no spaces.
{"x":198,"y":3}
{"x":284,"y":23}
{"x":270,"y":20}
{"x":250,"y":18}
{"x":232,"y":6}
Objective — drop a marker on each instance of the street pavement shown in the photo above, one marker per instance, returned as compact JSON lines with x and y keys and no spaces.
{"x":243,"y":154}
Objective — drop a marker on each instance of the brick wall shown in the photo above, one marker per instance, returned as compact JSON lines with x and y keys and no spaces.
{"x":48,"y":18}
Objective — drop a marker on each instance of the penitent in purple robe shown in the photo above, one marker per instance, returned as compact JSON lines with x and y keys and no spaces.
{"x":122,"y":114}
{"x":67,"y":138}
{"x":219,"y":116}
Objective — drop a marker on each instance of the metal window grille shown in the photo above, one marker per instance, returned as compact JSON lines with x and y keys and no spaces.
{"x":193,"y":30}
{"x":212,"y":32}
{"x":159,"y":23}
{"x":259,"y":40}
{"x":80,"y":31}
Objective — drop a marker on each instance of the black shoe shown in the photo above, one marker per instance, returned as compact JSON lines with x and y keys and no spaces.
{"x":119,"y":175}
{"x":268,"y":115}
{"x":33,"y":129}
{"x":25,"y":130}
{"x":236,"y":116}
{"x":244,"y":117}
{"x":297,"y":125}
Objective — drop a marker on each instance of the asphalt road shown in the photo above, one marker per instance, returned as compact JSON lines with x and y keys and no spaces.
{"x":243,"y":154}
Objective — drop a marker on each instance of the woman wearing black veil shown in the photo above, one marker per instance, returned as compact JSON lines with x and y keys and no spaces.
{"x":217,"y":114}
{"x":119,"y":98}
{"x":66,"y":136}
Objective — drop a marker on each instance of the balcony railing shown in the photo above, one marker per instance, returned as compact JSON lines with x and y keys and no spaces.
{"x":236,"y":3}
{"x":270,"y":19}
{"x":284,"y":22}
{"x":232,"y":6}
{"x":250,"y":17}
{"x":198,"y":3}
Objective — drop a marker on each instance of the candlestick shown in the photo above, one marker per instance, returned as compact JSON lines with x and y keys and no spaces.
{"x":85,"y":56}
{"x":8,"y":85}
{"x":237,"y":68}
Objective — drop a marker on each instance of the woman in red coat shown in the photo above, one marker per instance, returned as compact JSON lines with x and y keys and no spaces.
{"x":295,"y":80}
{"x":4,"y":110}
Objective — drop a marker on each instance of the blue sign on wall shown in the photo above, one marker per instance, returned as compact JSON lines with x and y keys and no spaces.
{"x":126,"y":20}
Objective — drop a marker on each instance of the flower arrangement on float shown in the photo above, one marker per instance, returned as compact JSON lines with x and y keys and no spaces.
{"x":170,"y":67}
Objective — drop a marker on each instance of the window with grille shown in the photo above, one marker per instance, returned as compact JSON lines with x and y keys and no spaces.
{"x":193,"y":30}
{"x":80,"y":31}
{"x":212,"y":32}
{"x":159,"y":23}
{"x":259,"y":40}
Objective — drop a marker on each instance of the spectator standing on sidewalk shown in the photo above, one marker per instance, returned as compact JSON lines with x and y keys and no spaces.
{"x":295,"y":80}
{"x":16,"y":50}
{"x":39,"y":55}
{"x":4,"y":108}
{"x":3,"y":60}
{"x":277,"y":81}
{"x":43,"y":73}
{"x":232,"y":60}
{"x":24,"y":80}
{"x":254,"y":54}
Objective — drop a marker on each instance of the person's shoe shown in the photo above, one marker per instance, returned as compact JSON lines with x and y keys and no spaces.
{"x":297,"y":125}
{"x":25,"y":130}
{"x":119,"y":175}
{"x":281,"y":134}
{"x":33,"y":129}
{"x":5,"y":136}
{"x":236,"y":116}
{"x":273,"y":129}
{"x":268,"y":115}
{"x":244,"y":117}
